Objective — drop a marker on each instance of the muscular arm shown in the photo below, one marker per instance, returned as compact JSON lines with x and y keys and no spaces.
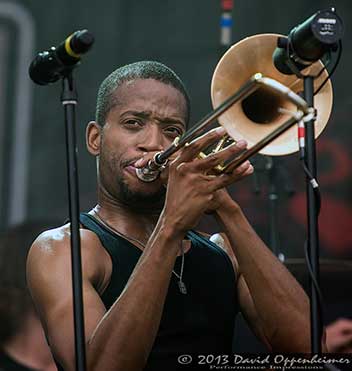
{"x":271,"y":300}
{"x":119,"y":339}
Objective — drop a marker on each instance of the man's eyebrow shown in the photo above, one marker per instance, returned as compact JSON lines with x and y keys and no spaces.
{"x":142,"y":114}
{"x":147,"y":114}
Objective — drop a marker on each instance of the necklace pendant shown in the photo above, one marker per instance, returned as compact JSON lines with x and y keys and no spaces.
{"x":182,"y":287}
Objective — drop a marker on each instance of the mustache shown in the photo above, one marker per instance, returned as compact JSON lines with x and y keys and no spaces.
{"x":146,"y":158}
{"x":129,"y":162}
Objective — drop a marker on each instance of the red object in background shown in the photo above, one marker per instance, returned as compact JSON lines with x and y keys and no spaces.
{"x":335,"y":220}
{"x":341,"y":164}
{"x":227,"y":5}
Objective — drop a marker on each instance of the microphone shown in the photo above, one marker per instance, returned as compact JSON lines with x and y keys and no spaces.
{"x":49,"y":66}
{"x":308,"y":42}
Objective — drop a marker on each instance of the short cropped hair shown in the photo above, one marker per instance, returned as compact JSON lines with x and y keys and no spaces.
{"x":138,"y":70}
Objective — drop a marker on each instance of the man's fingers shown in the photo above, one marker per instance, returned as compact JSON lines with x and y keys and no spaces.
{"x":245,"y":169}
{"x":191,"y":150}
{"x":217,"y":158}
{"x":221,"y":181}
{"x":345,"y":324}
{"x":340,"y":344}
{"x":238,"y":173}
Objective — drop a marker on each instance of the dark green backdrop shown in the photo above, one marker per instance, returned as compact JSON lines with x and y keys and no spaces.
{"x":184,"y":35}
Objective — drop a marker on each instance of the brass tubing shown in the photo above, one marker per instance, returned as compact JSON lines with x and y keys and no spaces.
{"x":261,"y":144}
{"x":153,"y":168}
{"x":248,"y":88}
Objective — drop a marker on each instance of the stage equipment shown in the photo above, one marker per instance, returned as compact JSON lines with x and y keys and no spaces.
{"x":267,"y":109}
{"x":315,"y":38}
{"x":308,"y":42}
{"x":46,"y":68}
{"x":49,"y":66}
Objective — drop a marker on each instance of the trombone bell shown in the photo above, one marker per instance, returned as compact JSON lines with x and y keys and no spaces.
{"x":258,"y":115}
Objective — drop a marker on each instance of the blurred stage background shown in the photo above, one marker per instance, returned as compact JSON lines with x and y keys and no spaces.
{"x":185,"y":36}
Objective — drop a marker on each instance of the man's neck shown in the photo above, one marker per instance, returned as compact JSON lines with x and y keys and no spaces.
{"x":29,"y":346}
{"x":131,"y":223}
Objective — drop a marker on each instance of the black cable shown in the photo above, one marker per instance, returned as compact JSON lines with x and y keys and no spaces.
{"x":316,"y":285}
{"x":317,"y":195}
{"x":333,"y":69}
{"x":325,"y":65}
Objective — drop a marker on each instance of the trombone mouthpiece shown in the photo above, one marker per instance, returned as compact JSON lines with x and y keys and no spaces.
{"x":146,"y":174}
{"x":153,"y":169}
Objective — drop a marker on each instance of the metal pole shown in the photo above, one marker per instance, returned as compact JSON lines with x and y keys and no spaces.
{"x":69,"y":101}
{"x":312,"y":214}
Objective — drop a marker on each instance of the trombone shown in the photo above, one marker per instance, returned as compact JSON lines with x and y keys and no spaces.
{"x":266,"y":100}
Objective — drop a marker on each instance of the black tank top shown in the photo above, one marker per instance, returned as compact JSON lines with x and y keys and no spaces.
{"x":200,"y":322}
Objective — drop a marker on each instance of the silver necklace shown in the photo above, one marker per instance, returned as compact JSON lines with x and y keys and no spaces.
{"x":181,"y":285}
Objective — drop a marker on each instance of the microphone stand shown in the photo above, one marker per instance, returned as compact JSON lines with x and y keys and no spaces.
{"x":312,"y":215}
{"x":316,"y":321}
{"x":69,"y":101}
{"x":306,"y":43}
{"x":48,"y":67}
{"x":276,"y":177}
{"x":274,"y":173}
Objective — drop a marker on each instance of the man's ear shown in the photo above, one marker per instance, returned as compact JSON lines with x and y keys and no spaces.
{"x":93,"y":137}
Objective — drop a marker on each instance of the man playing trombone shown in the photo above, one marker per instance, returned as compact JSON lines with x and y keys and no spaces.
{"x":153,"y":288}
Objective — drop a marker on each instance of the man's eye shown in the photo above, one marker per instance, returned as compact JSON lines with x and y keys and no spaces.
{"x":174,"y":131}
{"x":133,"y":123}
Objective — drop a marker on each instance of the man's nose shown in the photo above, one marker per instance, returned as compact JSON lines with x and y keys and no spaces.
{"x":152,"y":140}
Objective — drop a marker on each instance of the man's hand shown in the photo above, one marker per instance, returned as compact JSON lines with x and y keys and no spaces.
{"x":339,"y":336}
{"x":221,"y":197}
{"x":191,"y":188}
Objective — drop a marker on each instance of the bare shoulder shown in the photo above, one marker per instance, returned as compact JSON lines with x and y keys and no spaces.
{"x":51,"y":251}
{"x":221,"y":240}
{"x":49,"y":279}
{"x":58,"y":238}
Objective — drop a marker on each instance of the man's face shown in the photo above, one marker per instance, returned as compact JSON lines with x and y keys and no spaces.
{"x":148,"y":116}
